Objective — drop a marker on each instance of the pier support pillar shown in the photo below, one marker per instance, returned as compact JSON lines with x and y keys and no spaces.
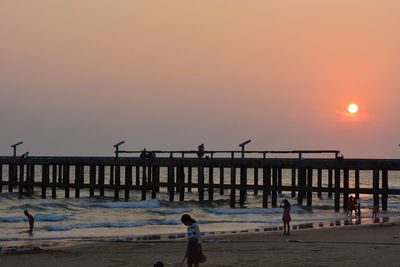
{"x":309,"y":186}
{"x":144,"y":182}
{"x":274,"y":187}
{"x":357,"y":182}
{"x":128,"y":181}
{"x":45,"y":179}
{"x":180,"y":173}
{"x":221,"y":181}
{"x":117,"y":182}
{"x":243,"y":186}
{"x":319,"y":183}
{"x":1,"y":177}
{"x":266,"y":185}
{"x":330,"y":182}
{"x":101,"y":179}
{"x":301,"y":185}
{"x":385,"y":187}
{"x":54,"y":181}
{"x":280,"y":180}
{"x":190,"y":181}
{"x":155,"y":181}
{"x":21,"y":179}
{"x":171,"y":179}
{"x":66,"y":180}
{"x":31,"y":177}
{"x":255,"y":180}
{"x":200,"y":174}
{"x":92,"y":179}
{"x":211,"y":183}
{"x":293,"y":182}
{"x":345,"y":187}
{"x":78,"y":177}
{"x":11,"y":176}
{"x":337,"y":190}
{"x":233,"y":189}
{"x":137,"y":174}
{"x":376,"y":186}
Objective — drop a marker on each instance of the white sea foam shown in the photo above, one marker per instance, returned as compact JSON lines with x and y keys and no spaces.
{"x":171,"y":221}
{"x":250,"y":211}
{"x":173,"y":211}
{"x":49,"y":217}
{"x":13,"y":219}
{"x":152,"y":203}
{"x":118,"y":224}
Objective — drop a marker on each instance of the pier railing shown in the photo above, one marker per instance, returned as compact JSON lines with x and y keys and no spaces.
{"x":209,"y":177}
{"x":226,"y":153}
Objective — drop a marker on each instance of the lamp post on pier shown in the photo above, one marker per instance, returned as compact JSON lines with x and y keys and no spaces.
{"x":117,"y":148}
{"x":242,"y":145}
{"x":15,"y":147}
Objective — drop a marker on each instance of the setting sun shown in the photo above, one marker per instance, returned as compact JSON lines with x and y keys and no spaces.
{"x":352,"y":108}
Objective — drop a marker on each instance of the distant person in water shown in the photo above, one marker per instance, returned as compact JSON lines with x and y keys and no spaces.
{"x":358,"y":208}
{"x":286,"y":216}
{"x":351,"y":206}
{"x":31,"y":220}
{"x":194,"y":252}
{"x":375,"y":211}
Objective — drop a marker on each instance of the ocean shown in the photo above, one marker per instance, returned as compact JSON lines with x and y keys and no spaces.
{"x":103,"y":218}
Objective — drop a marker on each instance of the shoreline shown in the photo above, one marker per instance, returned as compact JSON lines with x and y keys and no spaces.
{"x":365,"y":245}
{"x":22,"y":245}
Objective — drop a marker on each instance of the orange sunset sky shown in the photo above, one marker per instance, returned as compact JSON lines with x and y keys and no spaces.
{"x":78,"y":76}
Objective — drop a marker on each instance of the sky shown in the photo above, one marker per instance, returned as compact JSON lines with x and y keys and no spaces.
{"x":77,"y":77}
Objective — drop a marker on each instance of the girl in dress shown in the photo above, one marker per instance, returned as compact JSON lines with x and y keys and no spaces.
{"x":286,"y":216}
{"x":194,"y":251}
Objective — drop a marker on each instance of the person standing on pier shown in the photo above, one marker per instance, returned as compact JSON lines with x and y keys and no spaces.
{"x":286,"y":216}
{"x":194,"y":252}
{"x":200,"y":152}
{"x":31,"y":220}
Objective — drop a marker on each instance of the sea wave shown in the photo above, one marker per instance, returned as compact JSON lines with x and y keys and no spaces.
{"x":173,"y":211}
{"x":60,"y":205}
{"x":152,"y":203}
{"x":117,"y":224}
{"x":27,"y":206}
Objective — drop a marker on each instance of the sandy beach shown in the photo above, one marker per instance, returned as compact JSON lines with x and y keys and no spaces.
{"x":365,"y":245}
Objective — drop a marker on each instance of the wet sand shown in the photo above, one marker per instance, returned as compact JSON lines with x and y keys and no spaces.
{"x":363,"y":245}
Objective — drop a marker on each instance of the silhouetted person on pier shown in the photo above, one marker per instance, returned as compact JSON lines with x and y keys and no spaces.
{"x":143,"y":155}
{"x":25,"y":155}
{"x":200,"y":153}
{"x":31,"y":220}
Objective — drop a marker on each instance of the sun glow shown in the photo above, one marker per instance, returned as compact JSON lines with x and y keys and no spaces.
{"x":352,"y":108}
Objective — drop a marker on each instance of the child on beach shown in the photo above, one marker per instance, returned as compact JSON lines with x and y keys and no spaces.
{"x":286,"y":216}
{"x":31,"y":220}
{"x":194,"y":252}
